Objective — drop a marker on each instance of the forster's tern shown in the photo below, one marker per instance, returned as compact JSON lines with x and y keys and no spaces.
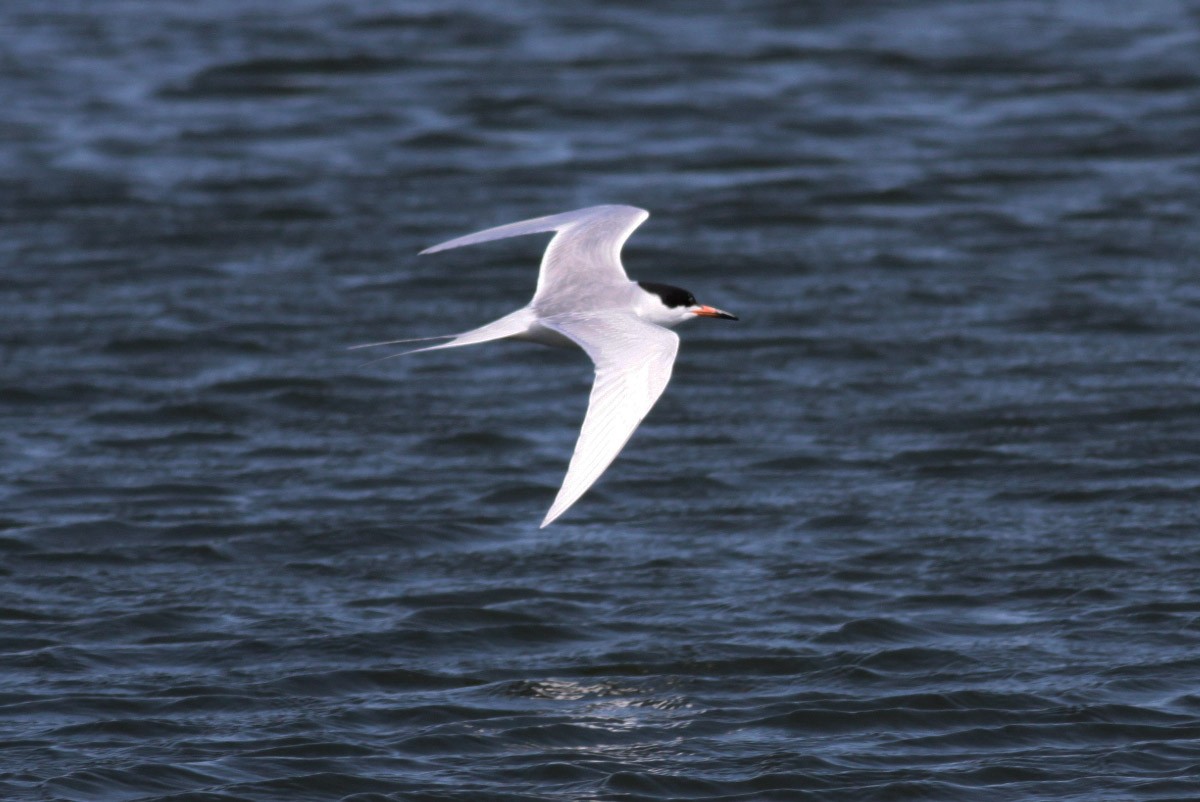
{"x":584,"y":300}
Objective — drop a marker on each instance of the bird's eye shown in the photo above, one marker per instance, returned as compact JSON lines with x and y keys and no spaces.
{"x":691,"y":300}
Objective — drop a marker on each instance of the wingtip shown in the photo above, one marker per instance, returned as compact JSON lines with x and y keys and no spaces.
{"x":539,"y":225}
{"x":441,"y":246}
{"x":553,"y":514}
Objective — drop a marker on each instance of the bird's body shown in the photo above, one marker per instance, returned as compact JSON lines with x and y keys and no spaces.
{"x":584,"y":300}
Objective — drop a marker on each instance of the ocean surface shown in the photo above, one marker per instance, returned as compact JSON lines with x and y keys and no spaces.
{"x":923,"y":525}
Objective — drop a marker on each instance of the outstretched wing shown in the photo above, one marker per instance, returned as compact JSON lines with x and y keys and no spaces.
{"x":633,"y":365}
{"x":582,"y":260}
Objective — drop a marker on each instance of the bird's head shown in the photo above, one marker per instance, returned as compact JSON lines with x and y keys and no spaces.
{"x":670,"y":306}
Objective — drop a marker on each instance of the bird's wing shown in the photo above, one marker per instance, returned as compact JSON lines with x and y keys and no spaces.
{"x":633,"y":365}
{"x":583,"y":258}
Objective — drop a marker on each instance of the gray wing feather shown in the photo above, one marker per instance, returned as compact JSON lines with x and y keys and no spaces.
{"x":633,"y":366}
{"x":583,"y":259}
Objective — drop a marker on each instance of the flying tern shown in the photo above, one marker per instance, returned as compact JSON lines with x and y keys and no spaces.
{"x":584,"y":300}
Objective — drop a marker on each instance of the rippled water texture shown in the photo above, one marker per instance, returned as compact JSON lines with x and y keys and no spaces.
{"x":923,"y":525}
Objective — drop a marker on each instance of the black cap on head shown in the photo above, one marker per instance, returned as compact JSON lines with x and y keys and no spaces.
{"x":671,"y":296}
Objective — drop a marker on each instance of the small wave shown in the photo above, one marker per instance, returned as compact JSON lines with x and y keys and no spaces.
{"x":916,"y":659}
{"x":473,"y":442}
{"x":871,"y":630}
{"x":169,"y":440}
{"x":275,"y":77}
{"x":200,"y":412}
{"x":351,"y":681}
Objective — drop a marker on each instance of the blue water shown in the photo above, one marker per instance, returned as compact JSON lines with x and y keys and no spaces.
{"x":922,"y":525}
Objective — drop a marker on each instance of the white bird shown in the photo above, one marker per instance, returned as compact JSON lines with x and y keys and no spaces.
{"x":584,"y":300}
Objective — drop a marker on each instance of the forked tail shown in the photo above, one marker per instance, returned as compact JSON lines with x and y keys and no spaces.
{"x":511,"y":325}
